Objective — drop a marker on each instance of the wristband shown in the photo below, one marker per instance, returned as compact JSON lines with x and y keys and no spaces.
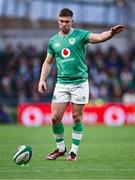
{"x":112,"y":31}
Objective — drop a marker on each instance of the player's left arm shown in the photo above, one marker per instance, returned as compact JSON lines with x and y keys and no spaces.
{"x":104,"y":36}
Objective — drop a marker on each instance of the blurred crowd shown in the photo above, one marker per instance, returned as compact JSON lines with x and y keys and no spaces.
{"x":111,"y":74}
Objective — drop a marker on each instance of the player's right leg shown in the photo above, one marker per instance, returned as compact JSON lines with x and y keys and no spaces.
{"x":58,"y":110}
{"x":60,"y":100}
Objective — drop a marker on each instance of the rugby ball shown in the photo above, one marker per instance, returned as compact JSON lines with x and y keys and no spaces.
{"x":22,"y":155}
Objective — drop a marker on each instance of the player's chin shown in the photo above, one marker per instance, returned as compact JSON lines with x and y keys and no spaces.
{"x":64,"y":30}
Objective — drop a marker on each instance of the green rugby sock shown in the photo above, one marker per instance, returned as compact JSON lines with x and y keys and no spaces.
{"x":77,"y":133}
{"x":58,"y":131}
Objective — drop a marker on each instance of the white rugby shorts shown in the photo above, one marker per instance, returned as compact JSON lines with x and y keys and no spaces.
{"x":75,"y":93}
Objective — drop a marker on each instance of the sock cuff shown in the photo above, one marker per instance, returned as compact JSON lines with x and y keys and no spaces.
{"x":58,"y":128}
{"x":77,"y":127}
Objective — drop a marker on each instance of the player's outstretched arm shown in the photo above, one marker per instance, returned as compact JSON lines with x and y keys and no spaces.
{"x":104,"y":36}
{"x":46,"y":67}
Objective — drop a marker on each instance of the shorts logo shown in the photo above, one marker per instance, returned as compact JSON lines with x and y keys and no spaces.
{"x":72,"y":41}
{"x":65,"y":52}
{"x":83,"y":98}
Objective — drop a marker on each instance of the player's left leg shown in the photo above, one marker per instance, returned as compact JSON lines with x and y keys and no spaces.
{"x":77,"y":130}
{"x":79,"y":97}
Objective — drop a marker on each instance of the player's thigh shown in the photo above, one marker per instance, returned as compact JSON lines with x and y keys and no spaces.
{"x":77,"y":112}
{"x":58,"y":110}
{"x":80,"y":93}
{"x":61,"y":94}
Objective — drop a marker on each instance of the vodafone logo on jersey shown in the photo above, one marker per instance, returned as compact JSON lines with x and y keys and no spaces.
{"x":65,"y":52}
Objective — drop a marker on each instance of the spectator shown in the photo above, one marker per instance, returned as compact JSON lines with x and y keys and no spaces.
{"x":111,"y":74}
{"x":4,"y":117}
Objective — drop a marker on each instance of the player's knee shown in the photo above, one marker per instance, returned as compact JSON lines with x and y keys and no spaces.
{"x":56,"y":119}
{"x":77,"y":117}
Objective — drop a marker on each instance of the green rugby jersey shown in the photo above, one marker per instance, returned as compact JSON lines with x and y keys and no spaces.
{"x":70,"y":53}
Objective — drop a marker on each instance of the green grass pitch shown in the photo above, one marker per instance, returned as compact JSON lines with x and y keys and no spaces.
{"x":104,"y":153}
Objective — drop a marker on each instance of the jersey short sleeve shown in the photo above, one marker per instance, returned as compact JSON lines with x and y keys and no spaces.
{"x":50,"y":50}
{"x":85,"y":34}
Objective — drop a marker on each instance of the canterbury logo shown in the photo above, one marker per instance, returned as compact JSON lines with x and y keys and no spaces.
{"x":65,"y":52}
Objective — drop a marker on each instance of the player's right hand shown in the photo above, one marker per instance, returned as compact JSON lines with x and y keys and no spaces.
{"x":117,"y":29}
{"x":42,"y":86}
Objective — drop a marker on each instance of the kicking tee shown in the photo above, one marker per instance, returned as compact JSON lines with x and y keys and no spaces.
{"x":70,"y":54}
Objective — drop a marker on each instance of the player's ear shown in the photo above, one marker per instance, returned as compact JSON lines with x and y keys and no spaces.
{"x":72,"y":21}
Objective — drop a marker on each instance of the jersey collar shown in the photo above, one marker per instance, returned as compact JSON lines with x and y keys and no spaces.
{"x":71,"y":31}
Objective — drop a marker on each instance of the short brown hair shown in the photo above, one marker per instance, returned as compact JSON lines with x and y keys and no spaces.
{"x":66,"y":12}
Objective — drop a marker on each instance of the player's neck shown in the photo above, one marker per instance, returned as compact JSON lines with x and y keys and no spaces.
{"x":64,"y":34}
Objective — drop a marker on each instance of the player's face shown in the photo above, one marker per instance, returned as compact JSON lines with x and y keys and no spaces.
{"x":65,"y":24}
